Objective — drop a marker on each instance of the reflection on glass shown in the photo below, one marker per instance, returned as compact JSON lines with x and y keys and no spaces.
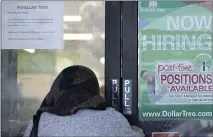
{"x":36,"y":69}
{"x":175,"y":66}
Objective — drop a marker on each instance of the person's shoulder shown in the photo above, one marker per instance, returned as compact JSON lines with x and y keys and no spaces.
{"x":116,"y":115}
{"x":47,"y":115}
{"x":112,"y":111}
{"x":110,"y":114}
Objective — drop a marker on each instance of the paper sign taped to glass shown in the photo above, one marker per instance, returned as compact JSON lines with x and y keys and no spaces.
{"x":32,"y":24}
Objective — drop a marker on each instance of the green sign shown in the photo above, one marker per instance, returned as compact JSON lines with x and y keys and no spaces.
{"x":175,"y":61}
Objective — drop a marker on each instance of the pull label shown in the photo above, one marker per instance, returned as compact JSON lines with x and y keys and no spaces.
{"x":127,"y":96}
{"x":115,"y":93}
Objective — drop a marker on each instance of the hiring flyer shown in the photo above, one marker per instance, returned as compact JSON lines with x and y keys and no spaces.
{"x":175,"y":60}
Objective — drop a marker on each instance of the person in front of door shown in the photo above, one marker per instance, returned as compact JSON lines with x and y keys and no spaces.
{"x":151,"y":86}
{"x":74,"y":107}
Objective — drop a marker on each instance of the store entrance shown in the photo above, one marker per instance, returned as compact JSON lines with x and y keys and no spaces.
{"x":138,"y":58}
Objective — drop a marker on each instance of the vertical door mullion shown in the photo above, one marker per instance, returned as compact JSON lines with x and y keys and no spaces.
{"x":112,"y":52}
{"x":130,"y":57}
{"x":8,"y":89}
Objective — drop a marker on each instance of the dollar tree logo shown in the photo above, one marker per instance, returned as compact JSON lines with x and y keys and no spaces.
{"x":204,"y":62}
{"x":153,"y":4}
{"x":152,"y":7}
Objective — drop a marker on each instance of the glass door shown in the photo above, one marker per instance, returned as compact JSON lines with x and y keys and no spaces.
{"x":91,"y":38}
{"x":171,"y":87}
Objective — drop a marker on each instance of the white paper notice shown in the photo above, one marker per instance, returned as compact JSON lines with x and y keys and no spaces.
{"x":32,"y":24}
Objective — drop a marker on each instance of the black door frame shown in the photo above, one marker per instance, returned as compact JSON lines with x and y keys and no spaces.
{"x":113,"y":52}
{"x":130,"y":56}
{"x":121,"y":53}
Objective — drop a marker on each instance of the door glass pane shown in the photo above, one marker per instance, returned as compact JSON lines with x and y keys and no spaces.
{"x":33,"y":71}
{"x":175,"y":66}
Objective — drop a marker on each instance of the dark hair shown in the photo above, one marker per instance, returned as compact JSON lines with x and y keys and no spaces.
{"x":75,"y":88}
{"x":142,"y":72}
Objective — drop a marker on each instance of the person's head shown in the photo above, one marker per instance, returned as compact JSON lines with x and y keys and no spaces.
{"x":145,"y":75}
{"x":74,"y":86}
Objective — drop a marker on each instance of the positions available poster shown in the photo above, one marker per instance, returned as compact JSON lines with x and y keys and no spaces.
{"x":175,"y":60}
